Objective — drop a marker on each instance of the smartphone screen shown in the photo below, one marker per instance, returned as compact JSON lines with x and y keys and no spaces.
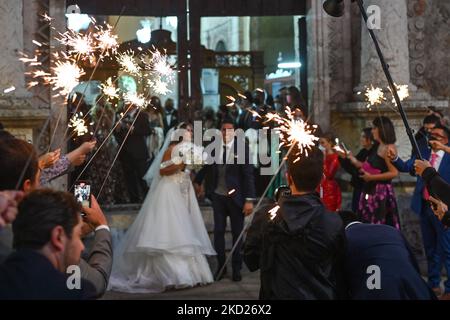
{"x":82,"y":193}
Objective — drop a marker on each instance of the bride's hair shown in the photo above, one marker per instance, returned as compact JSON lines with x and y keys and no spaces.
{"x":181,"y":125}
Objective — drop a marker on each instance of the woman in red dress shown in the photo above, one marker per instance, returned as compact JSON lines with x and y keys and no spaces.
{"x":329,"y":188}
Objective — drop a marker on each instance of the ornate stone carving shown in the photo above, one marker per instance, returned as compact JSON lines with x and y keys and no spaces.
{"x":393,"y":39}
{"x":429,"y":43}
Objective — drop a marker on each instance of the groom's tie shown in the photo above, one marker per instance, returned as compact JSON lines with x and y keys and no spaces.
{"x":224,"y":155}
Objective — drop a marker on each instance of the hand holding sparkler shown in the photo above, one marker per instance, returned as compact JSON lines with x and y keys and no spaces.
{"x":47,"y":160}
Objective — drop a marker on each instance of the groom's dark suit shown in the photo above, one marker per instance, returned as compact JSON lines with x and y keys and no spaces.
{"x":230,"y":185}
{"x":134,"y":156}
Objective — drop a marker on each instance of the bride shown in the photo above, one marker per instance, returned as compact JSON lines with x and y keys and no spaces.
{"x":166,"y":245}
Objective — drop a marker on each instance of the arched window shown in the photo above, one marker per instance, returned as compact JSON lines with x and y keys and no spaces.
{"x":220,"y":46}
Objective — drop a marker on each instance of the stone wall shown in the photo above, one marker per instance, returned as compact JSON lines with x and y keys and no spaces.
{"x":429,"y":46}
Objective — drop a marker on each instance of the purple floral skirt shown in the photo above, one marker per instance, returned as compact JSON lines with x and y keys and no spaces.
{"x":380,"y":206}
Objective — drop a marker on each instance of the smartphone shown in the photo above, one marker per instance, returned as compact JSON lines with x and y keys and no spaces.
{"x":82,"y":193}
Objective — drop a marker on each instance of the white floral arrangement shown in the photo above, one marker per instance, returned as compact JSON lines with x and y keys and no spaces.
{"x":189,"y":154}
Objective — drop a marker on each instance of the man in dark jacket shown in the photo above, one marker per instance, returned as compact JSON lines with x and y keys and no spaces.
{"x":379,"y":264}
{"x":299,"y":250}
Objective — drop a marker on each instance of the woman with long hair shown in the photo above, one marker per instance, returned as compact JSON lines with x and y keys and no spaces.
{"x":377,"y":203}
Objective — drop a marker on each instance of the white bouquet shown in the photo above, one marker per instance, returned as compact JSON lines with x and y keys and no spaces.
{"x":189,"y":154}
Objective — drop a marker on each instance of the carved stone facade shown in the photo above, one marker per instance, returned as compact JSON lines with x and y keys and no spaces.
{"x":429,"y":45}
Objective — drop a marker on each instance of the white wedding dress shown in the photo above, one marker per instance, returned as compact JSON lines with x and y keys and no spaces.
{"x":166,"y":245}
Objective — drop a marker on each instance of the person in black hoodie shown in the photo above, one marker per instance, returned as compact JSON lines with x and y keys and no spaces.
{"x":300,"y":251}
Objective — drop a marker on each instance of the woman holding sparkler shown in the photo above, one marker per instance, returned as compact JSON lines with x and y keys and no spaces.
{"x":377,"y":203}
{"x":331,"y":193}
{"x":167,"y":243}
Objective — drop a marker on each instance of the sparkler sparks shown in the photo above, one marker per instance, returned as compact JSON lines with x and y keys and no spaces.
{"x":138,"y":100}
{"x":402,"y":91}
{"x":161,"y":72}
{"x":294,"y":131}
{"x":232,"y":99}
{"x":374,"y":96}
{"x":160,"y":87}
{"x":128,"y":63}
{"x":107,"y":41}
{"x":10,"y":89}
{"x":66,"y":76}
{"x":80,"y":45}
{"x":78,"y":124}
{"x":110,"y":90}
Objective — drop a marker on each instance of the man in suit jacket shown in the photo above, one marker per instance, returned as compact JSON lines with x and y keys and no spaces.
{"x":47,"y":239}
{"x":134,"y":155}
{"x":97,"y":263}
{"x":170,"y":117}
{"x":379,"y":264}
{"x":436,"y":238}
{"x":231,"y":191}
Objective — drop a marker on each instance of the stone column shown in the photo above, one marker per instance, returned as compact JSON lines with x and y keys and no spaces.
{"x":393,"y":39}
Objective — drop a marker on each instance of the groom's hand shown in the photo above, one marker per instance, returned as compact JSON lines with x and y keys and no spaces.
{"x":248,"y":208}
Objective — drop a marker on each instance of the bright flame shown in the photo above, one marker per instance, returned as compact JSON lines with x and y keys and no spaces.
{"x":128,"y":63}
{"x":402,"y":91}
{"x":294,"y":131}
{"x":161,"y":72}
{"x":107,"y":40}
{"x":110,"y":90}
{"x":79,"y":126}
{"x":374,"y":96}
{"x":80,"y":45}
{"x":65,"y":76}
{"x":159,"y":86}
{"x":136,"y":99}
{"x":10,"y":89}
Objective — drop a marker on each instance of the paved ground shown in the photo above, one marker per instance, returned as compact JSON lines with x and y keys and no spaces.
{"x":225,"y":289}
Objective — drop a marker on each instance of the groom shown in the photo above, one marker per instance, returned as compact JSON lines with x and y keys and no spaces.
{"x":231,"y":191}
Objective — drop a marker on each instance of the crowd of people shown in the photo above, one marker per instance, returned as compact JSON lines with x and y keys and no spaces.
{"x":310,"y":249}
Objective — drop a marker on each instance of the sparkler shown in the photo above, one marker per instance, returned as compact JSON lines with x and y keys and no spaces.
{"x":161,"y":72}
{"x":109,"y":90}
{"x":232,"y":99}
{"x":402,"y":91}
{"x":65,"y":76}
{"x":159,"y":86}
{"x":78,"y":124}
{"x":10,"y":89}
{"x":294,"y":131}
{"x":80,"y":45}
{"x":138,"y":100}
{"x":374,"y":96}
{"x":128,"y":63}
{"x":107,"y":41}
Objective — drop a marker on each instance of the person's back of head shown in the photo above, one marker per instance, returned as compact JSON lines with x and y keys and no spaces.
{"x":305,"y":171}
{"x":15,"y":156}
{"x":50,"y":222}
